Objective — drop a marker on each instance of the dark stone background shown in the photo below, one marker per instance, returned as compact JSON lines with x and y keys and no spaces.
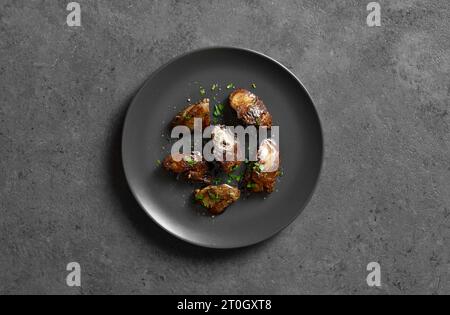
{"x":382,"y":93}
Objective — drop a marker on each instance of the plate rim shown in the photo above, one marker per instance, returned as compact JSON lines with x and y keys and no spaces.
{"x":162,"y":68}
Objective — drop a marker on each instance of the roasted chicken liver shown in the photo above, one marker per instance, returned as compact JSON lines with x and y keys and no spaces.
{"x":187,"y":116}
{"x":226,"y":147}
{"x":192,"y":167}
{"x":217,"y":198}
{"x":250,"y":108}
{"x":262,"y":175}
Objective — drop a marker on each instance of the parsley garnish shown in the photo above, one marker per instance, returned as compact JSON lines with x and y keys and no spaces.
{"x":218,"y":110}
{"x":235,"y":177}
{"x":254,"y":85}
{"x":191,"y":161}
{"x":231,"y":86}
{"x":214,"y":87}
{"x":202,"y":91}
{"x":258,"y":167}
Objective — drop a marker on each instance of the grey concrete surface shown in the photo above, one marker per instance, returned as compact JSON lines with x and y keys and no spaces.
{"x":382,"y":93}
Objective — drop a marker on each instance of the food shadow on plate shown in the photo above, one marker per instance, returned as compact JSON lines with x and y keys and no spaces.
{"x":140,"y":221}
{"x":229,"y":115}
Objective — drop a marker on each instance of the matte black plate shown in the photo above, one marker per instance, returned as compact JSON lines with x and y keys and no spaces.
{"x":169,"y":201}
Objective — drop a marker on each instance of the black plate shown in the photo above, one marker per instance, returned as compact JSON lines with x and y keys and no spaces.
{"x":169,"y":201}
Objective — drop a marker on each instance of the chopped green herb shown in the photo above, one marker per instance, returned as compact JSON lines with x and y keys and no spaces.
{"x":258,"y":167}
{"x":190,"y":161}
{"x":218,"y":110}
{"x":214,"y":87}
{"x":199,"y":197}
{"x":158,"y":162}
{"x":202,"y":91}
{"x":216,"y":181}
{"x":234,"y":168}
{"x":235,"y":177}
{"x":251,"y":185}
{"x":231,"y":86}
{"x":254,"y":85}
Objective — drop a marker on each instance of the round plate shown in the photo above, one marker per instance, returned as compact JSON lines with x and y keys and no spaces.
{"x":169,"y":201}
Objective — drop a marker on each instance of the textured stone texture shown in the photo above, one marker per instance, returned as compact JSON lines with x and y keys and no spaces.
{"x":382,"y":93}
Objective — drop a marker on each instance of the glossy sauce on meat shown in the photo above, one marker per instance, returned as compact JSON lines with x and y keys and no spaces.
{"x":262,"y":175}
{"x":188,"y":115}
{"x":250,"y":108}
{"x":192,"y":167}
{"x":217,"y":198}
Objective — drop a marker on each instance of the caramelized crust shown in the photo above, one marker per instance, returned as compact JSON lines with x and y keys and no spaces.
{"x":261,"y":182}
{"x":262,"y":175}
{"x":192,"y":167}
{"x":250,"y":108}
{"x":187,"y":116}
{"x":217,"y":198}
